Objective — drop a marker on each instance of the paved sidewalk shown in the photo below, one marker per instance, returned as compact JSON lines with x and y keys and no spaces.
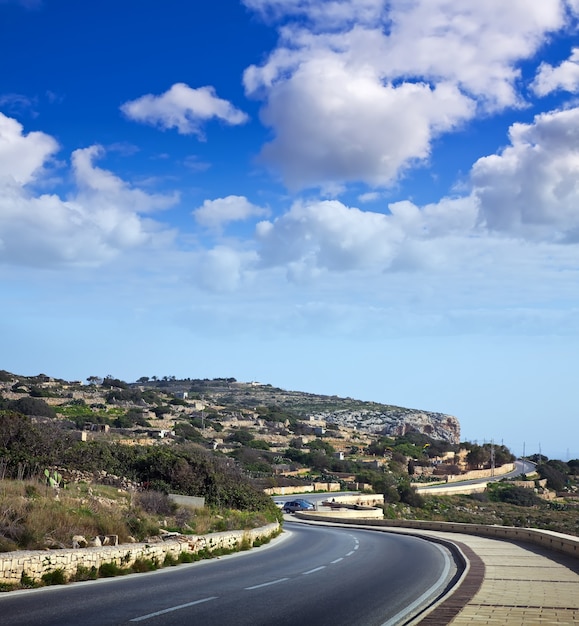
{"x":510,"y":584}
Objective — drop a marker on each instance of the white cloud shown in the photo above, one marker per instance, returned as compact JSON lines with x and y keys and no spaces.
{"x":531,"y":189}
{"x":524,"y":197}
{"x":101,"y":188}
{"x":183,"y":108}
{"x":217,"y":213}
{"x":100,"y":218}
{"x":23,"y":156}
{"x":356,"y":91}
{"x":329,"y":235}
{"x":331,"y":13}
{"x":336,"y":123}
{"x":565,"y":76}
{"x":222,"y":269}
{"x":369,"y":196}
{"x":476,"y":45}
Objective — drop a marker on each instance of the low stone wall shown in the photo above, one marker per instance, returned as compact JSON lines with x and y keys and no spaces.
{"x":362,"y":499}
{"x":295,"y":489}
{"x":35,"y":563}
{"x":484,"y":473}
{"x":567,"y":544}
{"x":351,"y":513}
{"x":452,"y":489}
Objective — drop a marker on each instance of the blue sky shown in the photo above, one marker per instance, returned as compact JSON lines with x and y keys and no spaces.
{"x":355,"y":197}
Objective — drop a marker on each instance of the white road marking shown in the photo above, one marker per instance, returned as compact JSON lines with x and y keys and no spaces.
{"x":427,"y":594}
{"x":173,"y":608}
{"x":350,"y":553}
{"x":271,"y":582}
{"x":317,"y":569}
{"x":337,"y":560}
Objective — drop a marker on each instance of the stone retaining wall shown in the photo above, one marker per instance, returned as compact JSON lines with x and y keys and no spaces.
{"x":295,"y":489}
{"x":484,"y":473}
{"x":35,"y":563}
{"x":351,"y":513}
{"x":567,"y":544}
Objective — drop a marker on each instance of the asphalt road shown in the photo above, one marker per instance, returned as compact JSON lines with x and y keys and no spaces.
{"x":310,"y":575}
{"x":521,"y":467}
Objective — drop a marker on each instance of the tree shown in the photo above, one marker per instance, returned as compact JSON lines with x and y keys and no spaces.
{"x":32,"y":406}
{"x":409,"y":495}
{"x":242,"y":436}
{"x":109,"y":381}
{"x":556,"y":479}
{"x":477,"y":457}
{"x":321,"y":445}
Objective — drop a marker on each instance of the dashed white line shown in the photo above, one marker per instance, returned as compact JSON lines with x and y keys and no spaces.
{"x":337,"y":560}
{"x":173,"y":608}
{"x":350,"y":553}
{"x":271,"y":582}
{"x":317,"y":569}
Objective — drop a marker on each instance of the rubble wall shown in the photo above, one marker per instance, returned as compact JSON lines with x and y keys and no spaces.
{"x":35,"y":563}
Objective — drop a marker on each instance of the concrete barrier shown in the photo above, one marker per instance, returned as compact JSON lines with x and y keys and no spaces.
{"x":35,"y":563}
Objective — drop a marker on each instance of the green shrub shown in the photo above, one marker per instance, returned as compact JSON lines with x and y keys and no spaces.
{"x":170,"y":560}
{"x":144,"y":565}
{"x":27,"y":582}
{"x":84,"y":573}
{"x":54,"y":577}
{"x":186,"y":557}
{"x":109,"y":570}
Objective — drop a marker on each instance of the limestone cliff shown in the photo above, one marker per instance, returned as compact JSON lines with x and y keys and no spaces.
{"x":396,"y":421}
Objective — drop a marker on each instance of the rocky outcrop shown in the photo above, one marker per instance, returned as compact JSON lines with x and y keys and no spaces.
{"x":396,"y":421}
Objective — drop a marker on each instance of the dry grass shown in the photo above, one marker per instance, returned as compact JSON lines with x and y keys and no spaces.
{"x":34,"y":516}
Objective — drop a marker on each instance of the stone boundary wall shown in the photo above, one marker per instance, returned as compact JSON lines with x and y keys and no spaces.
{"x":296,"y":489}
{"x":452,"y":489}
{"x":484,"y":473}
{"x":567,"y":544}
{"x":361,"y":499}
{"x":35,"y":563}
{"x":350,"y":513}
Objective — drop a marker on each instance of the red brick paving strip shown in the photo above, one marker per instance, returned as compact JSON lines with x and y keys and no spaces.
{"x":449,"y":609}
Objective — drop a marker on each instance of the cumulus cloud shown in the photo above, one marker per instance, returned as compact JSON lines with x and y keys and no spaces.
{"x":100,"y":218}
{"x":222,"y":269}
{"x":22,"y":156}
{"x":522,"y":201}
{"x":217,"y":213}
{"x":331,"y":236}
{"x":356,"y":91}
{"x":531,"y":188}
{"x":183,"y":108}
{"x":564,"y":77}
{"x":102,"y":188}
{"x":335,"y":123}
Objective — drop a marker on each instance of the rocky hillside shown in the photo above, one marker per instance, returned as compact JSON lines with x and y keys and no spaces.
{"x":366,"y":417}
{"x":152,"y":397}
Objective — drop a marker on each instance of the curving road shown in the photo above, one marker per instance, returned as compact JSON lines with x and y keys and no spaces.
{"x":310,"y":575}
{"x":521,"y":467}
